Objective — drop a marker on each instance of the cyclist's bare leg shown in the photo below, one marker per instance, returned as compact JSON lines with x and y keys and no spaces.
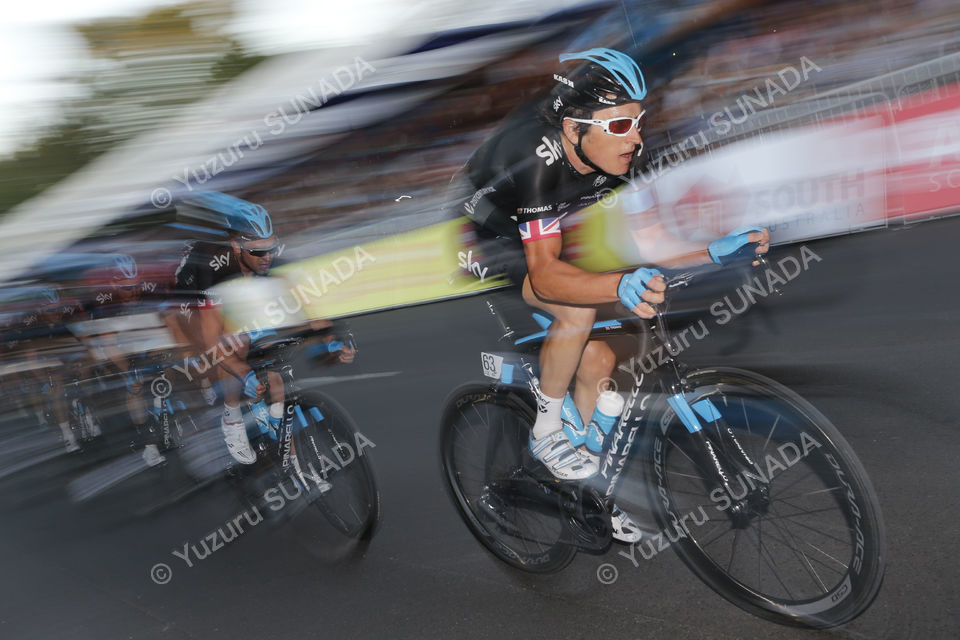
{"x":238,"y":347}
{"x":567,"y":351}
{"x":135,"y":403}
{"x":43,"y":376}
{"x":600,"y":357}
{"x":563,"y":347}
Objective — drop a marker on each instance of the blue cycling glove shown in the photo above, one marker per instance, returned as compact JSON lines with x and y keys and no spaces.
{"x":729,"y":248}
{"x":632,"y":285}
{"x":325,"y":348}
{"x":131,"y":380}
{"x":250,"y":383}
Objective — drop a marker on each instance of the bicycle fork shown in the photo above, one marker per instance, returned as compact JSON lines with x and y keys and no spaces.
{"x":726,"y":463}
{"x":294,"y":418}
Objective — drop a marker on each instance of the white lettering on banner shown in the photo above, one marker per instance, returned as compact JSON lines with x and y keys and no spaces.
{"x":808,"y":193}
{"x":950,"y":179}
{"x":803,"y":184}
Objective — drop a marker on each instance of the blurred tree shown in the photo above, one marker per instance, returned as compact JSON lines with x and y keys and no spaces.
{"x":143,"y":69}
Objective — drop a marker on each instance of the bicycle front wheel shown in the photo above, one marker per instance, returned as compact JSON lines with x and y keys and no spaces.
{"x":798,"y":538}
{"x":332,"y":447}
{"x":483,"y":438}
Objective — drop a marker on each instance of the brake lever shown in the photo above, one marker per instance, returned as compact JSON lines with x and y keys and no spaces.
{"x":762,"y":263}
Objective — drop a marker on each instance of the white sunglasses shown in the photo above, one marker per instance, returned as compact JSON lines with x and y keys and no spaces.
{"x":619,"y":127}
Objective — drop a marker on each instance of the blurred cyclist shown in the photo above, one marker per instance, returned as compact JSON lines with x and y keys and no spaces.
{"x":114,"y":332}
{"x":250,"y":251}
{"x":522,"y":182}
{"x":46,"y":346}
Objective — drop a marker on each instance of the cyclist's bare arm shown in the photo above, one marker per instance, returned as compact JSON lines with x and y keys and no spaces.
{"x":660,"y":246}
{"x":554,"y":280}
{"x":171,"y":319}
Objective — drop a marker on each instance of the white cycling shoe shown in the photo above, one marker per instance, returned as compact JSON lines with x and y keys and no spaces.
{"x":208,"y":392}
{"x":92,"y":426}
{"x":235,"y":437}
{"x":624,"y":529}
{"x":70,"y":442}
{"x":151,"y":455}
{"x":561,"y":458}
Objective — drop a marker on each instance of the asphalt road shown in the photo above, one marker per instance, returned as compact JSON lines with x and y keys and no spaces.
{"x":868,"y":334}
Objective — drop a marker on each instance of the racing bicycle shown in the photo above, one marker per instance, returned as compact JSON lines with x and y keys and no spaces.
{"x":755,"y":489}
{"x":335,"y":477}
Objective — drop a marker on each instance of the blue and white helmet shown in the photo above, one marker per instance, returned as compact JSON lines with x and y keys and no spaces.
{"x":607,"y":78}
{"x":251,"y":221}
{"x":125,"y":267}
{"x":50,"y":295}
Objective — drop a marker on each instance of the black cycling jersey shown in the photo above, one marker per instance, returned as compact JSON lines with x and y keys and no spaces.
{"x":33,"y":332}
{"x":203,"y":266}
{"x":523,"y":186}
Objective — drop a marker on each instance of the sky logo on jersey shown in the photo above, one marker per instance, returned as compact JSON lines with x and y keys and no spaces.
{"x":549,"y":150}
{"x":539,"y":229}
{"x":219,"y":261}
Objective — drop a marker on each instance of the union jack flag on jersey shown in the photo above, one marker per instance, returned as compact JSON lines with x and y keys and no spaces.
{"x":537,"y":229}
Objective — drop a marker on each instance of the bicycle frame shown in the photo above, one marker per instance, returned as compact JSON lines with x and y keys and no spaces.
{"x":668,"y":380}
{"x":294,"y":419}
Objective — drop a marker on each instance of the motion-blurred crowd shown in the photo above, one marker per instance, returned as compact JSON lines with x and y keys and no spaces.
{"x":49,"y":316}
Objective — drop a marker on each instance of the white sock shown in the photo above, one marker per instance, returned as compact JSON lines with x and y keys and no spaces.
{"x":276,"y":410}
{"x":232,"y":414}
{"x":67,"y":433}
{"x":548,"y":416}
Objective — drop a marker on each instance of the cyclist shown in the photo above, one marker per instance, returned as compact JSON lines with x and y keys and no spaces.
{"x":250,"y":250}
{"x":46,"y":345}
{"x":119,"y":328}
{"x":522,"y":182}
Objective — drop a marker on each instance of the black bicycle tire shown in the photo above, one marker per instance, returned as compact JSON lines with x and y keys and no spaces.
{"x":863,"y":589}
{"x":336,"y":417}
{"x":556,"y":557}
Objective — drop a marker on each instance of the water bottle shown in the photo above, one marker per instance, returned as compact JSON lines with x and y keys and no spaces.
{"x":605,"y":416}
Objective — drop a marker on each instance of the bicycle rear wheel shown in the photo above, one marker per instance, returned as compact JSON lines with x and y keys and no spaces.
{"x":332,"y":447}
{"x":799,"y":538}
{"x":482,"y":443}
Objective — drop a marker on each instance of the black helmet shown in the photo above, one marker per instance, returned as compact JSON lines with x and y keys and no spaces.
{"x":609,"y":78}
